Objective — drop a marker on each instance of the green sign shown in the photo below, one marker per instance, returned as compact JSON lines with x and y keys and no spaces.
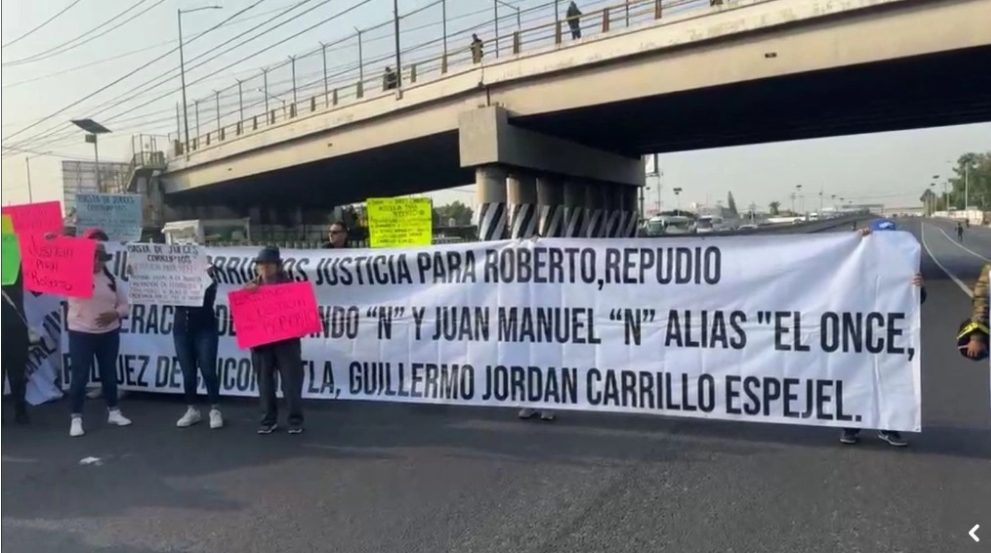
{"x":11,"y":258}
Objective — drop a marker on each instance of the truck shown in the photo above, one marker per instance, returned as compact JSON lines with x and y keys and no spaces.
{"x":207,"y":231}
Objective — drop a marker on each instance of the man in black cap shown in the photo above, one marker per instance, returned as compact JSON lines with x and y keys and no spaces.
{"x":284,"y":357}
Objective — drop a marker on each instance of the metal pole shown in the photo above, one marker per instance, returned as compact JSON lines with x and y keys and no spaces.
{"x":557,"y":14}
{"x":495,"y":9}
{"x":217,"y":92}
{"x":399,"y":67}
{"x":292,"y":62}
{"x":196,"y":104}
{"x":27,"y":164}
{"x":361,"y":60}
{"x":519,"y":21}
{"x":182,"y":75}
{"x":240,"y":102}
{"x":627,"y":4}
{"x":966,"y":189}
{"x":443,"y":10}
{"x":265,"y":91}
{"x":326,"y":85}
{"x":178,"y":123}
{"x":96,"y":156}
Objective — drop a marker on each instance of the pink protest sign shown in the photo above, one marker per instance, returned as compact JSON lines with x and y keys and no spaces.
{"x":273,"y":313}
{"x":62,"y":265}
{"x":41,"y":218}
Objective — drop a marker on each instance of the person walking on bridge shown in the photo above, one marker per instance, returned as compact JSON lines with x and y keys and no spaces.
{"x":851,"y":436}
{"x":574,"y":16}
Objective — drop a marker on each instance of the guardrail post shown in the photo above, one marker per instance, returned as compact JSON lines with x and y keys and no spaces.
{"x":557,"y":32}
{"x":360,"y":90}
{"x":443,"y":64}
{"x":222,"y":135}
{"x":334,"y":97}
{"x":657,"y":9}
{"x":240,"y":128}
{"x":207,"y":139}
{"x":313,"y":103}
{"x":271,"y":117}
{"x":605,"y":20}
{"x":516,"y":42}
{"x":254,"y":123}
{"x":412,"y":73}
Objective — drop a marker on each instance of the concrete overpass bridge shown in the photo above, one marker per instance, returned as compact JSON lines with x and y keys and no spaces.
{"x":565,"y":124}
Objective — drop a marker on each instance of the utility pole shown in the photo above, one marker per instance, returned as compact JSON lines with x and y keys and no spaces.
{"x":399,"y":67}
{"x":27,"y":164}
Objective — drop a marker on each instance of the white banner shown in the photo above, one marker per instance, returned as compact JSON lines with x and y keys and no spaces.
{"x":44,"y":314}
{"x":168,"y":274}
{"x":817,"y":330}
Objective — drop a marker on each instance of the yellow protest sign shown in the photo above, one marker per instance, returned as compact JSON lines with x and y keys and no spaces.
{"x":399,"y":222}
{"x":6,"y":224}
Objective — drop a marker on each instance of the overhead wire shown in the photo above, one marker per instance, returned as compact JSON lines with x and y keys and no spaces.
{"x":126,"y":76}
{"x":304,"y":87}
{"x":42,"y":25}
{"x":157,"y":81}
{"x":59,"y":49}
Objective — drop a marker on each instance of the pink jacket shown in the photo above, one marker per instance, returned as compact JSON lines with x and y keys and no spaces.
{"x":83,"y":312}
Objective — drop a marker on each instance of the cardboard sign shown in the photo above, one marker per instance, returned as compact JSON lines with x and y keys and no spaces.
{"x":273,"y":313}
{"x":40,"y":218}
{"x":62,"y":265}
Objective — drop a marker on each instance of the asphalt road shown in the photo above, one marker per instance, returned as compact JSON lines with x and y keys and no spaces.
{"x":391,"y":478}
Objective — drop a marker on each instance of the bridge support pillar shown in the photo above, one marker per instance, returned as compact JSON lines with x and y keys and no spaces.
{"x":521,"y":192}
{"x":597,"y":203}
{"x":576,"y":213}
{"x":550,"y":200}
{"x":631,"y":211}
{"x":491,"y":196}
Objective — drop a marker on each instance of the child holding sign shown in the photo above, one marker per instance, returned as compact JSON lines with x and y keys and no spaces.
{"x":284,"y":357}
{"x":94,"y":335}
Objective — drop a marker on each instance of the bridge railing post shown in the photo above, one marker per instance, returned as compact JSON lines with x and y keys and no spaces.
{"x":557,"y":32}
{"x":516,"y":42}
{"x":605,"y":20}
{"x":658,"y":8}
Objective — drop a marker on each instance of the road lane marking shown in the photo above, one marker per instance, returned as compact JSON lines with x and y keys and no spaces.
{"x":964,"y":248}
{"x":966,"y":289}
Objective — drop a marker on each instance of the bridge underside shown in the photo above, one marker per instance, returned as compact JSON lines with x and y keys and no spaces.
{"x":921,"y":92}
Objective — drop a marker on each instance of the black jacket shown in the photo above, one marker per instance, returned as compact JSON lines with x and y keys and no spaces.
{"x":204,"y":317}
{"x":13,"y":315}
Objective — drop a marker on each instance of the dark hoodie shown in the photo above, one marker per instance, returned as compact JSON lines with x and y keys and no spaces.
{"x":204,"y":317}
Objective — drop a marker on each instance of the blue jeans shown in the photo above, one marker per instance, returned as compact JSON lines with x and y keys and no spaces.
{"x":197,"y":347}
{"x":84,"y":350}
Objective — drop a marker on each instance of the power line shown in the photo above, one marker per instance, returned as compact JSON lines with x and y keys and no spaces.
{"x":168,"y":74}
{"x":42,"y":25}
{"x":118,"y":56}
{"x":59,"y":49}
{"x":115,"y":82}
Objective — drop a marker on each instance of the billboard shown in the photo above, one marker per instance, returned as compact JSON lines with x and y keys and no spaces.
{"x":80,"y":177}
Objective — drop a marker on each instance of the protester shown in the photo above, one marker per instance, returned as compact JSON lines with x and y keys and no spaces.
{"x":94,"y":233}
{"x":977,"y":345}
{"x":337,"y":237}
{"x":851,"y":436}
{"x":196,"y":335}
{"x":284,"y":357}
{"x":16,"y":342}
{"x":574,"y":21}
{"x":959,"y":232}
{"x":94,"y":335}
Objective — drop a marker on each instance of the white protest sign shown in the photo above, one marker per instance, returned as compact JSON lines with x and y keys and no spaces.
{"x":168,"y":274}
{"x":119,"y":215}
{"x":819,"y":330}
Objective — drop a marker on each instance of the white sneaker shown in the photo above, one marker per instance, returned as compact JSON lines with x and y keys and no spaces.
{"x":216,"y":419}
{"x":117,"y":418}
{"x":526,"y":413}
{"x":191,"y":417}
{"x":76,"y":429}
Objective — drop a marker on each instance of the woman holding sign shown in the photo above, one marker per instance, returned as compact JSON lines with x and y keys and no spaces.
{"x":196,"y":333}
{"x":284,"y":357}
{"x":94,"y":336}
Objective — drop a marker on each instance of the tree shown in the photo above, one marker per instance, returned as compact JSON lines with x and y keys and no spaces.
{"x":458,"y":211}
{"x":775,"y":208}
{"x":974,"y":168}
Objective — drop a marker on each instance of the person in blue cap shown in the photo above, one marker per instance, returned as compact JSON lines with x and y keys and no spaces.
{"x":852,"y":435}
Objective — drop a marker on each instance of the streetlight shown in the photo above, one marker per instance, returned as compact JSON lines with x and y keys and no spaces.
{"x":93,"y":130}
{"x":272,"y":97}
{"x":519,"y":21}
{"x":182,"y":67}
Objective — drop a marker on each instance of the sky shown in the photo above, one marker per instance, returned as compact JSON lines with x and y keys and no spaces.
{"x":47,"y":77}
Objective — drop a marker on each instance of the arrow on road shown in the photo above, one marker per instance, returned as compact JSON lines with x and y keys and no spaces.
{"x":973,"y":533}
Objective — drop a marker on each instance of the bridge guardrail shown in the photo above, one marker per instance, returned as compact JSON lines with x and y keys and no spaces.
{"x":305,"y":83}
